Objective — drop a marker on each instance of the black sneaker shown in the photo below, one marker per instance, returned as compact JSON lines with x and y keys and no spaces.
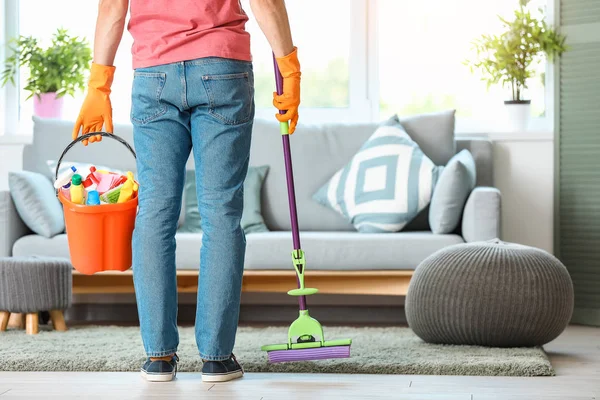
{"x":160,"y":371}
{"x":222,"y":371}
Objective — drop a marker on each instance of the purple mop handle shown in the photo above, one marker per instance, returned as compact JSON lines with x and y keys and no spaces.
{"x":287,"y":154}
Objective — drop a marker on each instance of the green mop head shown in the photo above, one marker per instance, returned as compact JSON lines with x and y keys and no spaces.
{"x":306,"y":341}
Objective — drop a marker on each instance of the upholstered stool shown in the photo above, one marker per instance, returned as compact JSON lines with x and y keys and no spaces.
{"x":490,"y":294}
{"x":29,"y":285}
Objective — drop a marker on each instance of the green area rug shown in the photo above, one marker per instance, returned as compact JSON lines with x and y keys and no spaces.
{"x":390,"y":350}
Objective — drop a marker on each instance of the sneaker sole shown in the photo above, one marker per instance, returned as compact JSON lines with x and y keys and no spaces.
{"x":159,"y":377}
{"x":222,"y":377}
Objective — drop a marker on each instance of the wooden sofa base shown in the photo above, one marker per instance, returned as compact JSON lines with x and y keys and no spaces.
{"x":377,"y":282}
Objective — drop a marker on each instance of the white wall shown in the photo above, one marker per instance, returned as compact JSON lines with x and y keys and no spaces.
{"x":524,"y":173}
{"x":11,"y":156}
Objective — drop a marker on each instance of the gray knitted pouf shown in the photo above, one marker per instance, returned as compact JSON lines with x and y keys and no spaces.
{"x":490,"y":294}
{"x":32,"y":284}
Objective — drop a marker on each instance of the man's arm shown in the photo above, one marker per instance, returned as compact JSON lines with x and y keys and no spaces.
{"x":272,"y":18}
{"x":96,"y":110}
{"x":110,"y":25}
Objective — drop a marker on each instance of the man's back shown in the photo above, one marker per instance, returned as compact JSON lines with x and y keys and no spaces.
{"x":166,"y":31}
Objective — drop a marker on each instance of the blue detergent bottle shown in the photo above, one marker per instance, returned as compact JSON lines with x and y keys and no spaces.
{"x":93,"y":198}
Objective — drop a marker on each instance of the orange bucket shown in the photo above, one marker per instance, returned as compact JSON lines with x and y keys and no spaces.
{"x":99,"y":236}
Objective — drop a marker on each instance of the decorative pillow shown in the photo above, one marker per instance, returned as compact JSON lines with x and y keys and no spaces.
{"x":252,"y":219}
{"x":384,"y":186}
{"x":453,"y":188}
{"x":36,"y":203}
{"x":433,"y":132}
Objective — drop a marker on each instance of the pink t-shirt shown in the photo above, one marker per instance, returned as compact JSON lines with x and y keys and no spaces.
{"x":167,"y":31}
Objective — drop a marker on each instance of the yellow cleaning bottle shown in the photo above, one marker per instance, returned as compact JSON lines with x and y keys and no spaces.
{"x":76,"y":189}
{"x":127,"y":189}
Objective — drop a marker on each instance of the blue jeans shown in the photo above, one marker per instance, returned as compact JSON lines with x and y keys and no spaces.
{"x":205,"y":106}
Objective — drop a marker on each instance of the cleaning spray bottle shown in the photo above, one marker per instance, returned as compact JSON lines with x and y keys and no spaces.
{"x":65,"y":178}
{"x":91,"y":182}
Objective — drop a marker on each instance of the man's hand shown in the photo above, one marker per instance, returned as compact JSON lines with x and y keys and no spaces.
{"x":289,"y":100}
{"x":96,"y":110}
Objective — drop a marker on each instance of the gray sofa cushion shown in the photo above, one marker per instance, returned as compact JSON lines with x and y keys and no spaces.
{"x":346,"y":250}
{"x":272,"y":250}
{"x":36,"y":245}
{"x":482,"y":151}
{"x":35,"y":200}
{"x":433,"y":132}
{"x":450,"y":195}
{"x":12,"y":226}
{"x":252,"y":219}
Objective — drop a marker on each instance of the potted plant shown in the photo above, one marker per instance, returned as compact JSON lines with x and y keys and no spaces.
{"x":511,"y":57}
{"x":54,"y":72}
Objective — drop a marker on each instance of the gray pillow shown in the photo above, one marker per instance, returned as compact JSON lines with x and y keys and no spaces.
{"x":36,"y":203}
{"x":433,"y":132}
{"x":252,"y":219}
{"x":456,"y":182}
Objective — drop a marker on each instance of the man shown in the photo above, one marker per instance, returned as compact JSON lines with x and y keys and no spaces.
{"x":193,"y":90}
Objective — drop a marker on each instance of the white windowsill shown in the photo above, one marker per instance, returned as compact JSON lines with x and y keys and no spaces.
{"x":527,"y":136}
{"x":16,"y":140}
{"x":537,"y":132}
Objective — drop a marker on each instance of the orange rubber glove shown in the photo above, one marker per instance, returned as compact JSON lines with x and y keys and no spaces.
{"x":96,"y":110}
{"x":289,"y":100}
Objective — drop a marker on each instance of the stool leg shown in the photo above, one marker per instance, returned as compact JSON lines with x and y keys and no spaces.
{"x":32,"y":324}
{"x":17,"y":320}
{"x":4,"y":317}
{"x":58,"y":320}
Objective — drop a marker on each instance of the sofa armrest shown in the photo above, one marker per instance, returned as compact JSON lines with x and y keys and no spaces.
{"x":11,"y":225}
{"x":482,"y":215}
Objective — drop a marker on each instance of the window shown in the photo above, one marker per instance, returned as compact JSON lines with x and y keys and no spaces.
{"x":325,"y":56}
{"x":324,"y":49}
{"x":362,"y":60}
{"x":329,"y":49}
{"x":48,"y":16}
{"x":422,"y":48}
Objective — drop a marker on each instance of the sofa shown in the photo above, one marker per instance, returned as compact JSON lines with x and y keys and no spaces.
{"x":339,"y":258}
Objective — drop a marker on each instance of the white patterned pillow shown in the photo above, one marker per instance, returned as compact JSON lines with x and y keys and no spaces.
{"x":385,"y":185}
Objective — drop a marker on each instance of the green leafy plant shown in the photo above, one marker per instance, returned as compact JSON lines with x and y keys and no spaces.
{"x":59,"y":69}
{"x":509,"y":58}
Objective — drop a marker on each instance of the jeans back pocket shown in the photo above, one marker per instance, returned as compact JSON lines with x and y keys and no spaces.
{"x":230,"y":97}
{"x":146,"y":95}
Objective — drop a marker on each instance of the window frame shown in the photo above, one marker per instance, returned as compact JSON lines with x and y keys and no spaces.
{"x":363,"y":85}
{"x":362,"y":93}
{"x":9,"y":94}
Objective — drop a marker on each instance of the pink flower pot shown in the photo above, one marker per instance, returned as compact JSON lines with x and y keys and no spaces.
{"x":47,"y":105}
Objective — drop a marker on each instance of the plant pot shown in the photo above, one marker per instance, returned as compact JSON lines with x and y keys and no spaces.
{"x":518,"y":114}
{"x":47,"y":105}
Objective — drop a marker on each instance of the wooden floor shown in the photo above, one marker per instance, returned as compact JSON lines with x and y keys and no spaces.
{"x":575,"y":356}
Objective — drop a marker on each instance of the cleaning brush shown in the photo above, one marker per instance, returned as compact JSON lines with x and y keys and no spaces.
{"x":112,"y":196}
